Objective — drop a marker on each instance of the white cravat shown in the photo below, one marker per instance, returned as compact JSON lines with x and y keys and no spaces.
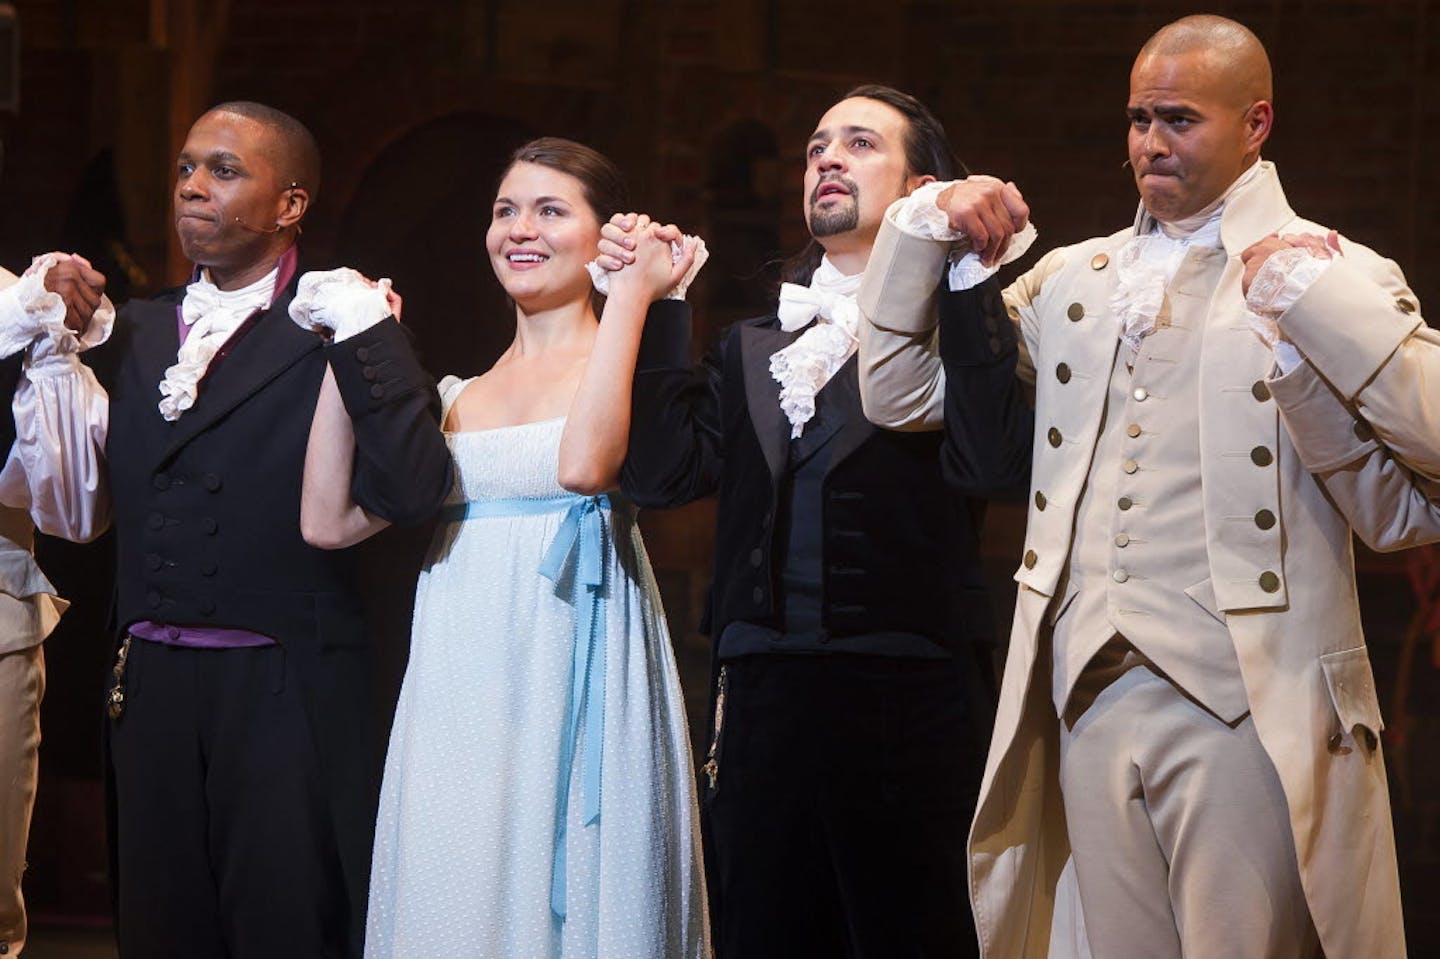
{"x":806,"y":365}
{"x":213,"y":315}
{"x":1147,"y":263}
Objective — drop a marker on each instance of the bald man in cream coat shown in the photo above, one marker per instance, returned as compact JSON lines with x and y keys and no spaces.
{"x":1188,"y":706}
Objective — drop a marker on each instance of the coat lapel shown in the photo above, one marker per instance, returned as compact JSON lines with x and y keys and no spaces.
{"x":271,"y":347}
{"x":762,"y":393}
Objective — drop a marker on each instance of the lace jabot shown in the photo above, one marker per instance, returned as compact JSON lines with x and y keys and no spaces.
{"x":806,"y":365}
{"x":212,"y":314}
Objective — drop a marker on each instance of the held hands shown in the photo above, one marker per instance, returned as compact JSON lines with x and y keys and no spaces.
{"x":989,"y":212}
{"x":79,"y":286}
{"x":340,"y":303}
{"x":638,"y":254}
{"x":1255,"y":255}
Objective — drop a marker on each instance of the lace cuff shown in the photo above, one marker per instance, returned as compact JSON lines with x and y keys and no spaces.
{"x":339,"y":302}
{"x":1282,"y":280}
{"x":918,"y":215}
{"x":28,"y":310}
{"x":600,"y":277}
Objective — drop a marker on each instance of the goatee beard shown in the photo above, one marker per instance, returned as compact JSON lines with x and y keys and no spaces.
{"x":839,"y":218}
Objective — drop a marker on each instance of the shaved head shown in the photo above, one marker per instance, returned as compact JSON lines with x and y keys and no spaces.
{"x":1232,"y":51}
{"x":292,"y":147}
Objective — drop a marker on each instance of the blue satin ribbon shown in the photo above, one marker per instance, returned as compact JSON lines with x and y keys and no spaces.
{"x":579,"y":548}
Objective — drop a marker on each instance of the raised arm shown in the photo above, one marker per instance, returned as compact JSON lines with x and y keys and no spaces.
{"x":393,"y":466}
{"x":329,"y":516}
{"x":597,"y":431}
{"x":55,"y":466}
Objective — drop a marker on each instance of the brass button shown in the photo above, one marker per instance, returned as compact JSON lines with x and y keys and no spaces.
{"x":1040,"y":500}
{"x":1120,"y":576}
{"x":1130,"y":466}
{"x":1260,"y":391}
{"x":1076,"y":312}
{"x":1030,"y":559}
{"x":1269,"y":582}
{"x":1363,"y":432}
{"x":1141,"y":394}
{"x":1125,"y":503}
{"x":1122,"y":540}
{"x":1099,"y":261}
{"x":1053,"y":436}
{"x":1265,"y":519}
{"x":1404,"y":305}
{"x":1062,"y":373}
{"x":1133,"y":430}
{"x":1260,"y":456}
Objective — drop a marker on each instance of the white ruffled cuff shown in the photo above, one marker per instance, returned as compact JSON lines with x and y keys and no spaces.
{"x":600,"y":277}
{"x":28,"y":310}
{"x":1282,"y":280}
{"x":919,"y":216}
{"x":339,"y":302}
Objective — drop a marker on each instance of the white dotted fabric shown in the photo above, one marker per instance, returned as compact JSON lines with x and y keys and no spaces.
{"x":464,"y":838}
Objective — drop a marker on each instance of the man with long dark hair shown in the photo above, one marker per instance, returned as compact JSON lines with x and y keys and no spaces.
{"x":848,"y":613}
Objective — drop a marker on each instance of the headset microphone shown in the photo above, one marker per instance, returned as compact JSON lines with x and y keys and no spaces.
{"x":245,"y":226}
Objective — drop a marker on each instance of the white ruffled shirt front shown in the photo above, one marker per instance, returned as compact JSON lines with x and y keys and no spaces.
{"x":212,"y":314}
{"x":1148,"y":261}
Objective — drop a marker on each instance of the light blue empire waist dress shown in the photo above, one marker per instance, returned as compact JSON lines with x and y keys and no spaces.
{"x":539,"y":799}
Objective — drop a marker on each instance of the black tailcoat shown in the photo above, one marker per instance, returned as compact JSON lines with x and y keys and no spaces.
{"x":207,"y":510}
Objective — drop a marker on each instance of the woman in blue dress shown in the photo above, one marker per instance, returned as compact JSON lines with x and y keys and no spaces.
{"x":538,"y":798}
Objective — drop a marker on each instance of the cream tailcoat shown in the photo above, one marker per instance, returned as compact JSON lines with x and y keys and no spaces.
{"x":1303,"y":660}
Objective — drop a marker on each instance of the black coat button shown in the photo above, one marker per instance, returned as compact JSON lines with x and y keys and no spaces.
{"x":758,"y":595}
{"x":756,"y":557}
{"x":377,"y":391}
{"x":362,"y":354}
{"x":207,"y":606}
{"x":208,"y":569}
{"x":209,"y":526}
{"x":212,"y":482}
{"x":152,"y":599}
{"x":370,"y":373}
{"x":155,"y":520}
{"x":154,"y":560}
{"x":160,"y":481}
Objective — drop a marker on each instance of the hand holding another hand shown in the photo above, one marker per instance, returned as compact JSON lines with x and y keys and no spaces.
{"x":80,"y":287}
{"x":987,"y":211}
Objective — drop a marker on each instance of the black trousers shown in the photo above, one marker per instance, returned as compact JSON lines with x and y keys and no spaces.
{"x":843,"y":793}
{"x":224,"y":842}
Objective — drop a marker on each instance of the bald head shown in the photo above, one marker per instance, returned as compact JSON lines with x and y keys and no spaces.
{"x":1235,"y":56}
{"x":291,"y":146}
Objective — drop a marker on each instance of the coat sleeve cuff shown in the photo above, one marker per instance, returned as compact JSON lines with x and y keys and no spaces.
{"x":375,"y":367}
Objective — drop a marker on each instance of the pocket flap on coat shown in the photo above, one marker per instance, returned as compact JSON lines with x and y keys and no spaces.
{"x":1352,"y":689}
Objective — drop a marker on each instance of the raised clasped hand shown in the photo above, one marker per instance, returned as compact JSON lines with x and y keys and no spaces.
{"x":989,"y":212}
{"x":80,"y":287}
{"x":1255,"y":255}
{"x":638,"y":253}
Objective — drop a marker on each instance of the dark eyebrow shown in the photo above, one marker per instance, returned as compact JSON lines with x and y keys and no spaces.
{"x":1163,"y":109}
{"x":824,"y":134}
{"x":551,"y":199}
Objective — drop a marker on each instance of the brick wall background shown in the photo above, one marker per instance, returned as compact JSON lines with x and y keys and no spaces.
{"x":706,"y":105}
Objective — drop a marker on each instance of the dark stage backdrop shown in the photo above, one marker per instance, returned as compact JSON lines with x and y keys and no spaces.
{"x":706,"y":104}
